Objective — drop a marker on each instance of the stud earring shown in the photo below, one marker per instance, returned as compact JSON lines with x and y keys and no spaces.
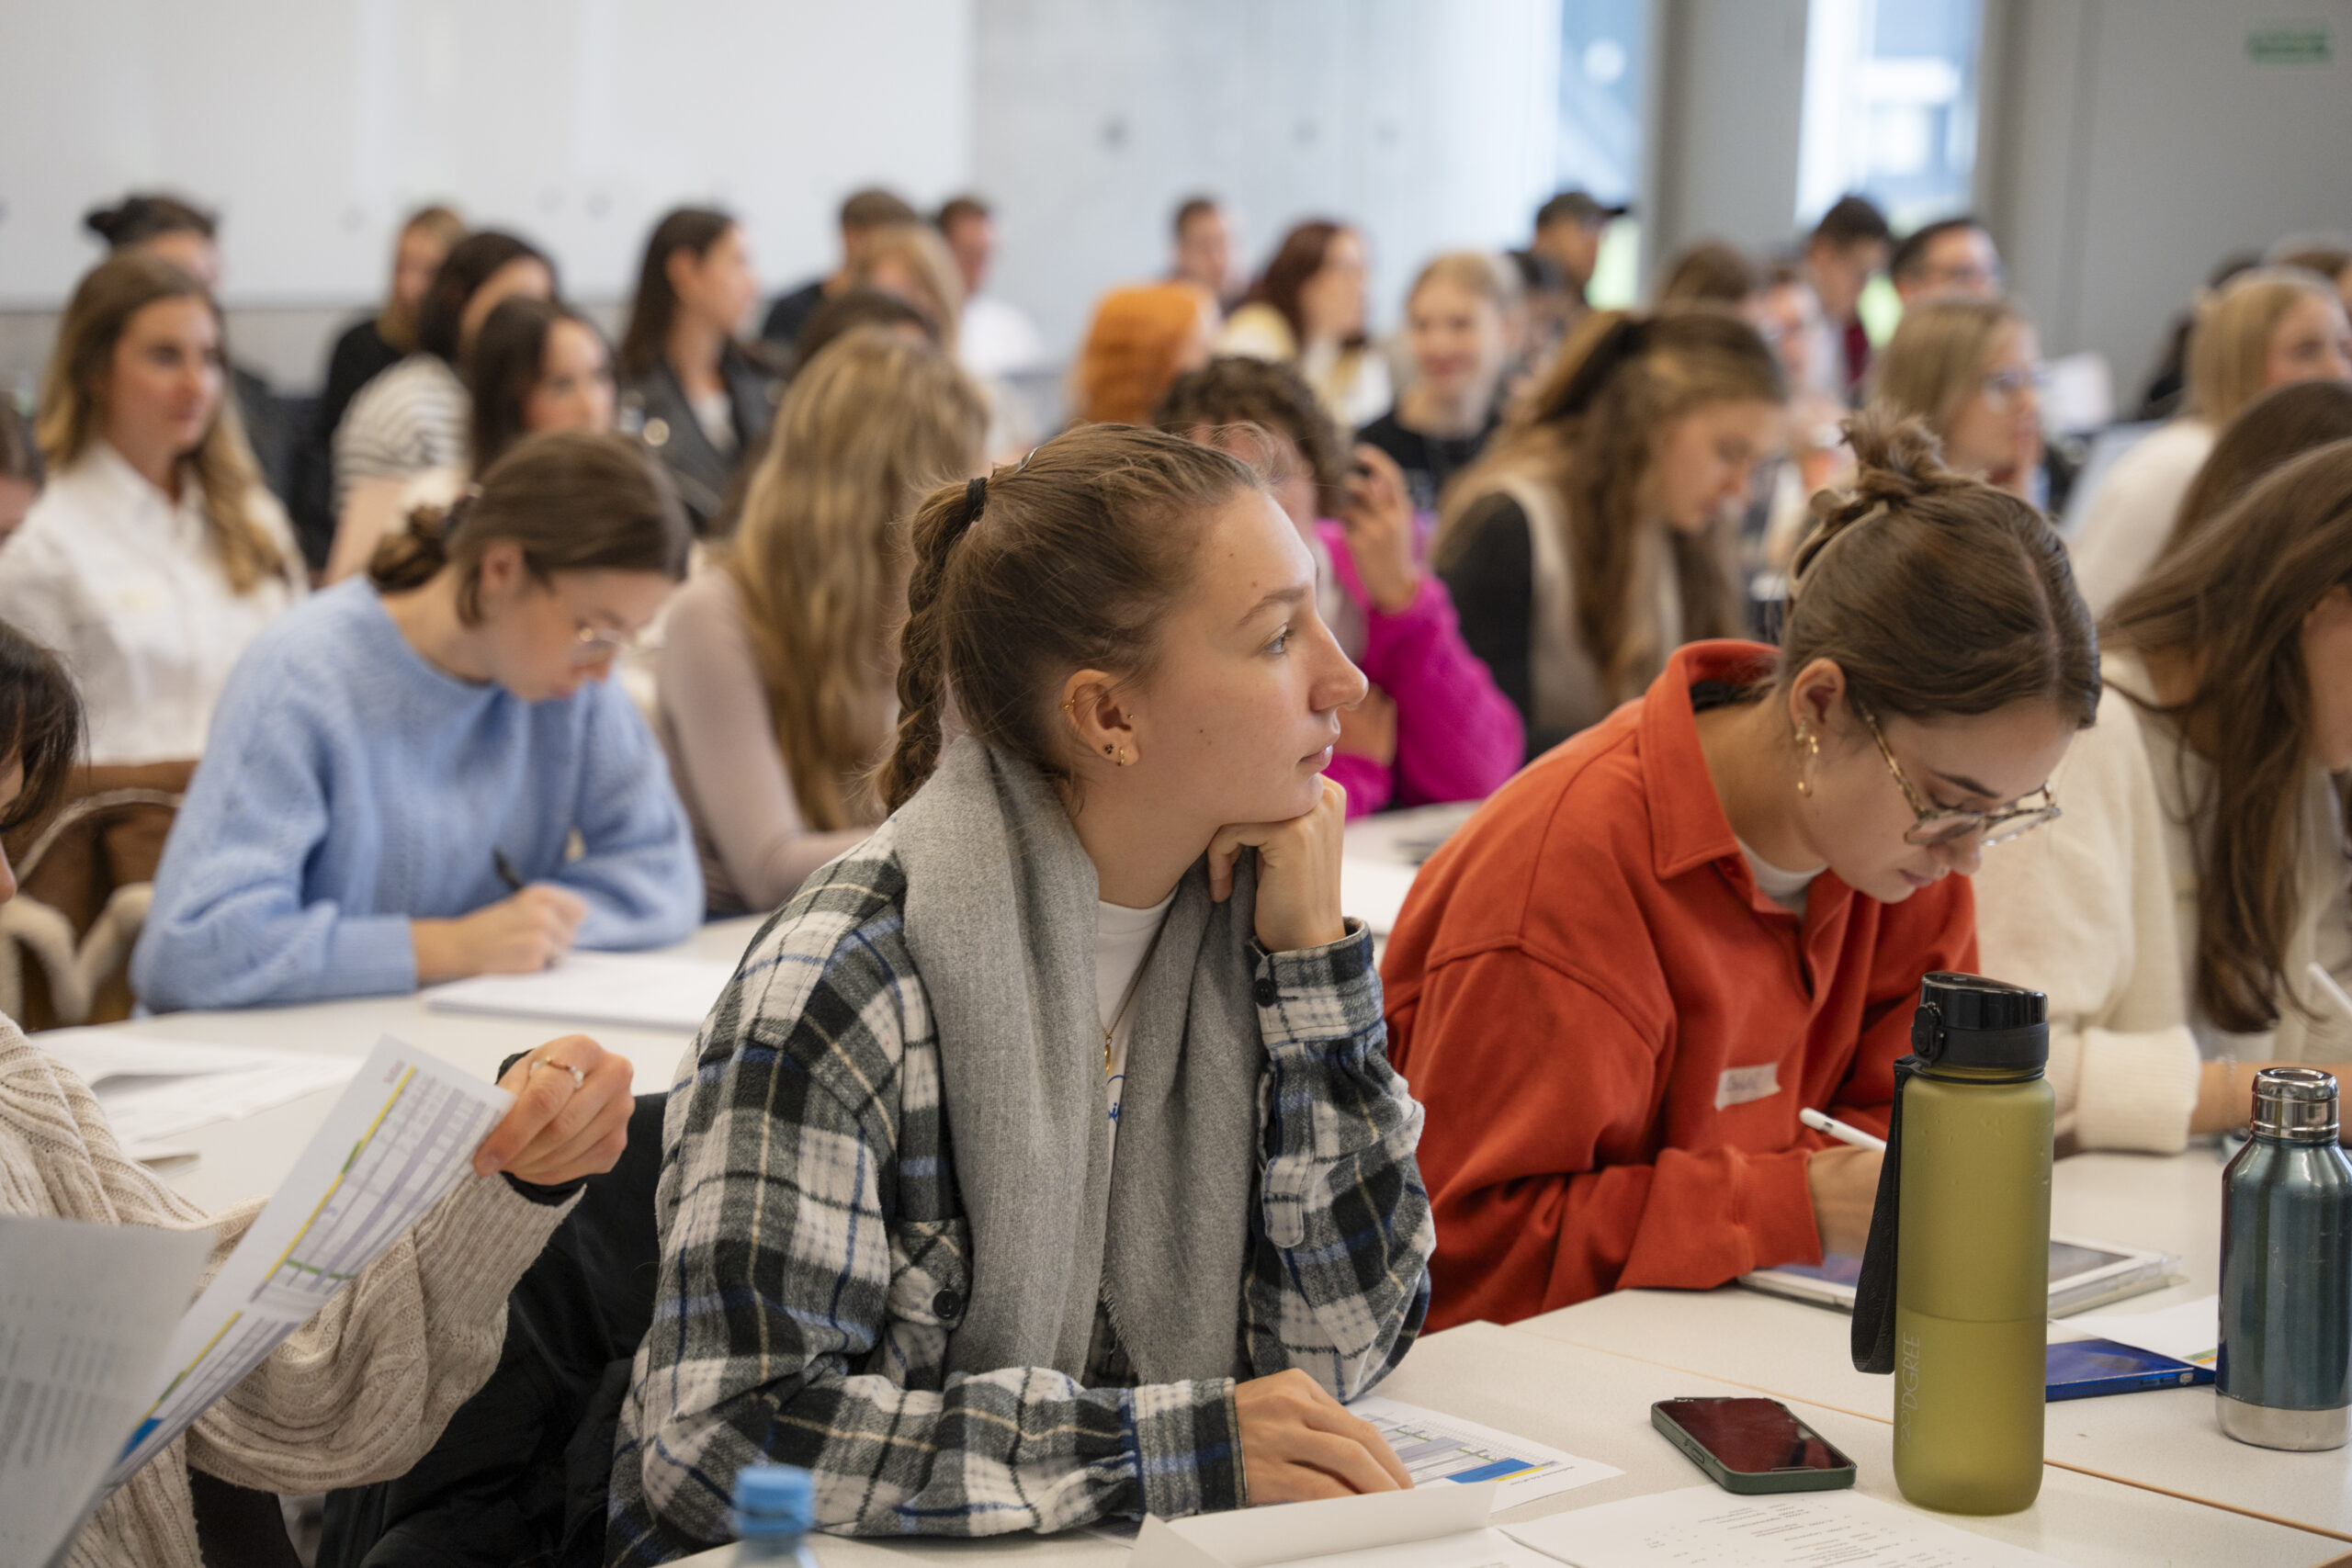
{"x":1108,"y":749}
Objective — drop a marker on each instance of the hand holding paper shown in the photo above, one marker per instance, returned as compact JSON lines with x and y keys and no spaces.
{"x":571,"y":1115}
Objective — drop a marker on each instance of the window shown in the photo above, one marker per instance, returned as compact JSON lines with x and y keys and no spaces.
{"x":1890,"y":106}
{"x":1601,"y":72}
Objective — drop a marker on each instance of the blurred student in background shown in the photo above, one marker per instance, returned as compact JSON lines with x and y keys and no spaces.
{"x":690,"y":388}
{"x":862,"y":214}
{"x":1458,"y":321}
{"x":1847,"y":248}
{"x":1433,"y":726}
{"x":1951,"y":256}
{"x":536,"y":366}
{"x":1598,"y":532}
{"x":1309,"y":309}
{"x":189,"y":237}
{"x":2265,"y":328}
{"x":1141,"y":339}
{"x":413,"y":417}
{"x":1205,"y":250}
{"x":1970,"y":370}
{"x":1710,"y":272}
{"x":368,"y":348}
{"x":776,"y":679}
{"x":998,"y":338}
{"x":156,"y":553}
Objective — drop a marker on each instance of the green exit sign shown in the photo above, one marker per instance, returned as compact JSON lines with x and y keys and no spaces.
{"x":2289,"y":43}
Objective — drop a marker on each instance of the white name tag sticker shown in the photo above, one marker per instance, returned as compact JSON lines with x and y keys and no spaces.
{"x":1738,"y":1086}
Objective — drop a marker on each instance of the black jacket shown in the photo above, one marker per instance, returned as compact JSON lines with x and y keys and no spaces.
{"x":519,"y":1477}
{"x":653,"y":407}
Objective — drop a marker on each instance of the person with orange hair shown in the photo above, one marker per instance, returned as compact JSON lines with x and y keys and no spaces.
{"x":1140,"y":341}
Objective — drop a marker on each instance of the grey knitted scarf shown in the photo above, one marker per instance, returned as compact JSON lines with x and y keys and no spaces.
{"x":1000,"y":921}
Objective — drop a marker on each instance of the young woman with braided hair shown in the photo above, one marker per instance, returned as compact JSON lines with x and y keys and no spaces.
{"x":1619,"y":984}
{"x":1042,"y":1162}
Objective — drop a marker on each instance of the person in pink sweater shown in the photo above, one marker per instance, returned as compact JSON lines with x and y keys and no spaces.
{"x":1435,"y":726}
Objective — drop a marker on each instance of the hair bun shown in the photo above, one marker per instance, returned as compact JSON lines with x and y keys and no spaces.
{"x":1896,"y":460}
{"x":110,"y":224}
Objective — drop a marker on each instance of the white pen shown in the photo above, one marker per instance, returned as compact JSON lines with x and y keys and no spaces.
{"x":1820,"y":1123}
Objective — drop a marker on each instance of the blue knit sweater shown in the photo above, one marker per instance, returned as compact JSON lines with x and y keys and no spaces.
{"x":349,"y":787}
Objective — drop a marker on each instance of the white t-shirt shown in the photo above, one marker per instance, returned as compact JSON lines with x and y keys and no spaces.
{"x":1122,"y":937}
{"x":995,"y":337}
{"x":1786,"y":888}
{"x":715,"y":411}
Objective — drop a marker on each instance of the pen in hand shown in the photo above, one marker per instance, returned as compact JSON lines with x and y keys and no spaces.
{"x":506,"y":872}
{"x":1822,"y":1123}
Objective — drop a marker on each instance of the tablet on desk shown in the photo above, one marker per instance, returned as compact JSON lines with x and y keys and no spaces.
{"x":2080,"y":1369}
{"x":2083,"y":1274}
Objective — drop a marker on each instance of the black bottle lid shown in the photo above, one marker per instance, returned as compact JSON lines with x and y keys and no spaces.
{"x":1967,"y":1020}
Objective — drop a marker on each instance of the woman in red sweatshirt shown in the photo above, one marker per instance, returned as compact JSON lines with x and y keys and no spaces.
{"x":1615,"y":989}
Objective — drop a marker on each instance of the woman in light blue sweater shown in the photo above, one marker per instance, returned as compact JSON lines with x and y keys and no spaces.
{"x":424,"y":774}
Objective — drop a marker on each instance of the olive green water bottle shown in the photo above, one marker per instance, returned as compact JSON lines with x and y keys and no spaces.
{"x":1962,"y":1225}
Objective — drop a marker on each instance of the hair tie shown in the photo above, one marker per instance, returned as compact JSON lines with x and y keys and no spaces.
{"x":975,"y":496}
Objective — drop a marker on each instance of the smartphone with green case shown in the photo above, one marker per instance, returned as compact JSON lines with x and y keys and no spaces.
{"x":1752,"y":1445}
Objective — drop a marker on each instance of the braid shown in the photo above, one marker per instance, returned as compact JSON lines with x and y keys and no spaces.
{"x":944,"y":520}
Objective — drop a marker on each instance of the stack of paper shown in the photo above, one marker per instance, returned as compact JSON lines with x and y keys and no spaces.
{"x":155,"y":1089}
{"x":630,"y":990}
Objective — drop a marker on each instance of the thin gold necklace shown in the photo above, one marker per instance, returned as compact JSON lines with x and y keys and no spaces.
{"x":1135,"y":984}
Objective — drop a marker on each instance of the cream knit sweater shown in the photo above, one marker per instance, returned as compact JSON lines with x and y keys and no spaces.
{"x":358,"y":1393}
{"x":2100,"y":911}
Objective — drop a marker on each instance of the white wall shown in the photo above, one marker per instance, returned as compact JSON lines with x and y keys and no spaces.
{"x":2137,"y":144}
{"x":312,"y":125}
{"x":1432,"y":124}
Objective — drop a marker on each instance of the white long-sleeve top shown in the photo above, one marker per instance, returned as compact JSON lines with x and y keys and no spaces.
{"x":127,"y":586}
{"x":2098,"y":910}
{"x":2131,"y":514}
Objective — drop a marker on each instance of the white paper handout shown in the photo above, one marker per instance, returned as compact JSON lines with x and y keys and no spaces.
{"x":631,"y":990}
{"x":155,"y":1089}
{"x":1433,"y":1527}
{"x":398,"y":1139}
{"x":1700,"y":1527}
{"x":2187,"y":1331}
{"x":1435,"y":1448}
{"x":85,"y":1311}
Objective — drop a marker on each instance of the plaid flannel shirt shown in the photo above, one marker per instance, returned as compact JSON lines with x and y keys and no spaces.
{"x":815,"y":1257}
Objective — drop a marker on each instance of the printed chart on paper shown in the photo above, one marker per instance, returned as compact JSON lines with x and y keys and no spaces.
{"x":1442,"y":1448}
{"x":398,"y":1138}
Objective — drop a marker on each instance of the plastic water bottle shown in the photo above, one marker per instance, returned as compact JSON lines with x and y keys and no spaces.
{"x":2285,"y":1373}
{"x":774,"y":1506}
{"x":1955,"y":1291}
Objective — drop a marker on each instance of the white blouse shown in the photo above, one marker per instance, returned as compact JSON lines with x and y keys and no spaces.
{"x":127,"y":586}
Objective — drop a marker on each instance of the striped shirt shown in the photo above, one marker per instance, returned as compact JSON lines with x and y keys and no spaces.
{"x":411,"y":418}
{"x":816,"y":1257}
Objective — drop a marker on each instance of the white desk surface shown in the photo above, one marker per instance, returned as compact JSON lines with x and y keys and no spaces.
{"x":243,"y":1159}
{"x":2166,"y":1440}
{"x":1597,"y":1404}
{"x":249,"y":1157}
